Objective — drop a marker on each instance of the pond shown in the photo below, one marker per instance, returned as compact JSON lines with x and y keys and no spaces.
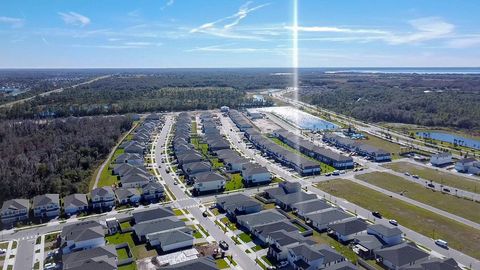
{"x":300,"y":118}
{"x":450,"y":138}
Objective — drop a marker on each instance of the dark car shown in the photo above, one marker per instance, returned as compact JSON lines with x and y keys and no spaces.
{"x":205,"y":214}
{"x":223,"y":245}
{"x":446,"y":189}
{"x":431,"y":185}
{"x":376,"y":214}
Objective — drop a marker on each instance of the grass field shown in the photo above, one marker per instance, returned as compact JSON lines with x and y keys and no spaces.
{"x":122,"y":253}
{"x":235,"y":182}
{"x":459,"y":236}
{"x":106,"y":176}
{"x":448,"y":179}
{"x":138,"y":251}
{"x":393,"y":148}
{"x":222,"y":264}
{"x":325,"y":167}
{"x":455,"y":205}
{"x":245,"y":237}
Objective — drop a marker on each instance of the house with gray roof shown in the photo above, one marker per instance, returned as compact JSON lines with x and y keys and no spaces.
{"x":75,"y":203}
{"x":82,"y":235}
{"x":366,"y":244}
{"x":305,"y":256}
{"x":135,"y":180}
{"x":434,"y":264}
{"x":288,"y":200}
{"x":265,"y":217}
{"x":134,"y":159}
{"x":236,"y":163}
{"x":400,"y":256}
{"x":153,"y":192}
{"x":202,"y":263}
{"x":308,"y":207}
{"x":189,"y":158}
{"x":208,"y":182}
{"x":261,"y":232}
{"x":226,"y":154}
{"x":128,"y":195}
{"x":280,"y":241}
{"x":135,"y":148}
{"x":345,"y":265}
{"x":149,"y":214}
{"x":238,"y":204}
{"x":346,"y":230}
{"x":390,"y":235}
{"x":102,"y":198}
{"x":143,"y":229}
{"x":14,"y":210}
{"x":254,"y":174}
{"x":171,"y":240}
{"x":104,"y":257}
{"x":321,"y":220}
{"x":196,"y":167}
{"x":46,"y":206}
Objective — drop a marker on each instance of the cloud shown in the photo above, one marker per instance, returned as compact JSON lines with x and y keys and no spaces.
{"x":215,"y":28}
{"x":424,"y":29}
{"x":222,"y":48}
{"x":168,"y":3}
{"x":74,"y":18}
{"x":464,"y":42}
{"x":13,"y":22}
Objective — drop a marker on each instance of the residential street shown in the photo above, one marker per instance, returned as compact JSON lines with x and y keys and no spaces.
{"x":25,"y":253}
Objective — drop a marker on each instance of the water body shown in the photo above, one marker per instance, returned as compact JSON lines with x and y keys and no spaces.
{"x":458,"y":70}
{"x":300,"y":118}
{"x":450,"y":138}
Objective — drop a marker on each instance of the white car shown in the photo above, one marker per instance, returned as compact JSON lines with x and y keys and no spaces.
{"x":50,"y":266}
{"x":441,"y":243}
{"x":393,"y":222}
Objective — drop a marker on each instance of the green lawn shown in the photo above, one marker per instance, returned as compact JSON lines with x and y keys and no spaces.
{"x":235,"y":182}
{"x":216,"y":163}
{"x":448,"y":179}
{"x":245,"y":237}
{"x":122,"y":254}
{"x":125,"y":225}
{"x":222,"y":264}
{"x":325,"y":167}
{"x":459,"y":236}
{"x":106,"y":176}
{"x":455,"y":205}
{"x":194,"y":127}
{"x":177,"y":212}
{"x":231,"y":225}
{"x":139,"y":252}
{"x":391,"y":147}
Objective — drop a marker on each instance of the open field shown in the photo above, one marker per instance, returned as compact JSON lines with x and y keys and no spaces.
{"x":325,"y":167}
{"x":448,"y":179}
{"x":455,"y":205}
{"x":458,"y":235}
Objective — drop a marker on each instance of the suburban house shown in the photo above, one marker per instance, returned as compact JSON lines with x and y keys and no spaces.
{"x":135,"y":180}
{"x":389,"y":235}
{"x":441,"y":159}
{"x":75,"y":203}
{"x":400,"y":256}
{"x":308,"y":207}
{"x":135,"y":148}
{"x":288,"y":200}
{"x":265,"y":217}
{"x":82,"y":235}
{"x":208,"y":182}
{"x":322,"y":219}
{"x":134,"y":159}
{"x":365,"y":245}
{"x":468,"y":165}
{"x":282,"y":189}
{"x":144,"y":229}
{"x":189,"y":158}
{"x":171,"y":240}
{"x":435,"y":263}
{"x":202,"y":263}
{"x":235,"y":163}
{"x":153,"y":192}
{"x":102,"y":257}
{"x":238,"y":204}
{"x":281,"y":240}
{"x":102,"y":197}
{"x":145,"y":215}
{"x":253,"y":174}
{"x":262,"y":232}
{"x":46,"y":206}
{"x":304,"y":256}
{"x":346,"y":230}
{"x":128,"y":195}
{"x":196,"y":167}
{"x":14,"y":210}
{"x":375,"y":153}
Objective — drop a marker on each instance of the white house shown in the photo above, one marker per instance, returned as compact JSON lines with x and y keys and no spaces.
{"x":389,"y":235}
{"x":208,"y":182}
{"x":171,"y":240}
{"x":75,"y":203}
{"x":103,"y":197}
{"x":255,"y":174}
{"x":465,"y":164}
{"x":46,"y":206}
{"x":14,"y":210}
{"x":441,"y":159}
{"x":82,"y":235}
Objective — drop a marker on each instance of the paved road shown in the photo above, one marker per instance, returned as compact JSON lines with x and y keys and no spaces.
{"x":9,"y":104}
{"x":243,"y":260}
{"x":233,"y":133}
{"x":25,"y":253}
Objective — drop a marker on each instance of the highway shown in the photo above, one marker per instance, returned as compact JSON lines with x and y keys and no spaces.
{"x":232,"y":132}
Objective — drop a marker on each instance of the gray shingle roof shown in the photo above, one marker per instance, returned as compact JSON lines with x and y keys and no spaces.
{"x":125,"y":193}
{"x":384,"y":230}
{"x":202,"y":263}
{"x":236,"y":201}
{"x":102,"y":191}
{"x":78,"y":258}
{"x":204,"y":177}
{"x":349,"y":226}
{"x":75,"y":200}
{"x":158,"y":225}
{"x":82,"y":231}
{"x":311,"y":206}
{"x":328,"y":216}
{"x":345,"y":265}
{"x":262,"y":218}
{"x":16,"y":204}
{"x":170,"y":237}
{"x":152,"y":214}
{"x":41,"y":200}
{"x":402,"y":254}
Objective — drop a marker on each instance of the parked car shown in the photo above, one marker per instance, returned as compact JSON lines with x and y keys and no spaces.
{"x":328,"y":174}
{"x":376,"y":214}
{"x":223,"y":245}
{"x":441,"y":243}
{"x":407,"y":173}
{"x":431,"y":185}
{"x":415,"y":176}
{"x":175,"y":182}
{"x":336,"y":173}
{"x":205,"y":214}
{"x":2,"y":251}
{"x":446,"y":189}
{"x":393,"y":222}
{"x":50,"y":266}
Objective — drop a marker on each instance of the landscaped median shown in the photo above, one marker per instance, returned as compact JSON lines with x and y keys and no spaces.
{"x":459,"y":236}
{"x":437,"y":176}
{"x":458,"y":206}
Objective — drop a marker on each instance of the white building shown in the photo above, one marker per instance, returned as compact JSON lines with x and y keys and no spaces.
{"x":441,"y":159}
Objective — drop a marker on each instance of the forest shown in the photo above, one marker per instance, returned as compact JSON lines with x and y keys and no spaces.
{"x":428,"y":100}
{"x":54,"y":156}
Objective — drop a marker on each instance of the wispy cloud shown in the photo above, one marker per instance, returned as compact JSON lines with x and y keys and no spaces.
{"x":168,"y":3}
{"x":13,"y":22}
{"x":464,"y":42}
{"x":224,"y":27}
{"x":223,"y":48}
{"x":74,"y":18}
{"x":124,"y":45}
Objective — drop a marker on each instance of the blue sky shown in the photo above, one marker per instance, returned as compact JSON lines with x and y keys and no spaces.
{"x":238,"y":33}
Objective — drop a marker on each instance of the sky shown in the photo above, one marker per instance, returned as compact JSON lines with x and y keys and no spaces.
{"x":238,"y":33}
